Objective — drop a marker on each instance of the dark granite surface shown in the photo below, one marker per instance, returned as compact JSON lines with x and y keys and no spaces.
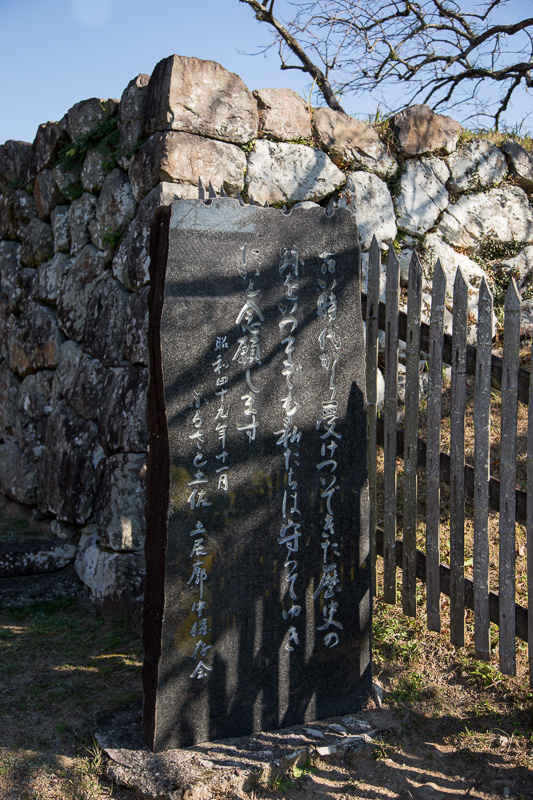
{"x":257,"y":612}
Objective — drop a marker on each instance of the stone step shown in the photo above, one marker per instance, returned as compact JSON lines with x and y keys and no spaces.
{"x":34,"y":556}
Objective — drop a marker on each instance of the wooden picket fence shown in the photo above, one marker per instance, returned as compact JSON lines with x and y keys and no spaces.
{"x":490,"y":372}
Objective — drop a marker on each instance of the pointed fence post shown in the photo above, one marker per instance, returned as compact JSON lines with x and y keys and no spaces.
{"x":457,"y":462}
{"x":372,"y":333}
{"x":529,"y":522}
{"x":482,"y":473}
{"x":412,"y":391}
{"x":390,"y":424}
{"x":434,"y":414}
{"x":511,"y":353}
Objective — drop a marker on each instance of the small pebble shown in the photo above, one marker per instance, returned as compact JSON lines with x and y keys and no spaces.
{"x":314,"y":732}
{"x":336,"y":728}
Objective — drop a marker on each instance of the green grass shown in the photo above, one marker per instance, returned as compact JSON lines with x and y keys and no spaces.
{"x":61,"y":665}
{"x":58,"y":657}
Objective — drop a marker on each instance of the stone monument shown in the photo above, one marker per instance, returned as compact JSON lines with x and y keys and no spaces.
{"x":257,"y":600}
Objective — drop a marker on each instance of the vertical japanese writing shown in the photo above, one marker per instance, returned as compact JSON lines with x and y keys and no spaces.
{"x":288,"y":441}
{"x":220,"y":368}
{"x":329,"y":342}
{"x":198,"y":501}
{"x":248,"y":352}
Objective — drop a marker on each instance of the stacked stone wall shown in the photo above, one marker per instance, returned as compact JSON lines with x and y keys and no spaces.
{"x":75,"y":212}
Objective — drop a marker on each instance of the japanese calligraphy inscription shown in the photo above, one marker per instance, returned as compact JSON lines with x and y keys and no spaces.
{"x":257,"y":602}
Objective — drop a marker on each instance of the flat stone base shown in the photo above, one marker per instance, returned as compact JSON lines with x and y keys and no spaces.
{"x":18,"y":592}
{"x":232,"y":765}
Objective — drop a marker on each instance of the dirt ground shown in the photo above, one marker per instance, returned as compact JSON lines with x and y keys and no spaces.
{"x":449,"y":726}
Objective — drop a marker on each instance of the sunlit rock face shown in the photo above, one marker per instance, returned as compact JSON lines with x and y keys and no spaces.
{"x":76,"y":209}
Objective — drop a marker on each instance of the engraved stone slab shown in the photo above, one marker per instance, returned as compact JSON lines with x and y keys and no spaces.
{"x":257,"y":598}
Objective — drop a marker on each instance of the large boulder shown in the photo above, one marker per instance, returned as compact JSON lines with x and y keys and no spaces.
{"x":526,"y":318}
{"x":477,"y":165}
{"x":201,"y":97}
{"x":14,"y":160}
{"x":76,"y":289}
{"x":184,"y":158}
{"x":46,"y":147}
{"x":419,"y":130}
{"x":520,"y":164}
{"x":50,"y":278}
{"x":120,"y":501}
{"x":86,"y":115}
{"x":283,"y":115}
{"x":437,"y":250}
{"x":34,"y":408}
{"x":66,"y":470}
{"x":370,"y":200}
{"x":9,"y":269}
{"x":288,"y":173}
{"x":519,"y":266}
{"x":82,"y":212}
{"x":114,"y":580}
{"x":34,"y":557}
{"x":503,"y":214}
{"x":349,"y":140}
{"x":79,"y":379}
{"x":115,"y":209}
{"x":122,"y":417}
{"x":422,"y":196}
{"x":93,"y":171}
{"x":16,"y":210}
{"x":60,"y":221}
{"x":132,"y":259}
{"x":9,"y":399}
{"x":37,"y":243}
{"x":131,"y":118}
{"x":65,"y":178}
{"x":5,"y":324}
{"x":135,"y":341}
{"x":46,"y":192}
{"x":105,"y":320}
{"x":34,"y":343}
{"x":18,"y":476}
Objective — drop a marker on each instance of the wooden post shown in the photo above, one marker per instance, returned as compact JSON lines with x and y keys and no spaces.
{"x":457,"y":462}
{"x":434,"y":407}
{"x":482,"y":472}
{"x":372,"y":332}
{"x":414,"y":302}
{"x":390,"y":423}
{"x":529,"y":523}
{"x":511,"y":352}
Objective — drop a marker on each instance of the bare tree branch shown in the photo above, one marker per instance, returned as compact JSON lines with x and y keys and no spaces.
{"x":264,"y":13}
{"x":434,"y":48}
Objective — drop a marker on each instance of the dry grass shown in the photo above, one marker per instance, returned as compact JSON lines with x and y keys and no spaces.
{"x":61,"y":664}
{"x":521,"y":539}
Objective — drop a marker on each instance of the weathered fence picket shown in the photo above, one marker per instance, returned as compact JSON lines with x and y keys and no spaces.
{"x":482,"y":473}
{"x":412,"y":364}
{"x":372,"y":333}
{"x":529,"y":522}
{"x":511,"y":353}
{"x":391,"y":420}
{"x":434,"y":414}
{"x":514,"y":505}
{"x":457,"y":461}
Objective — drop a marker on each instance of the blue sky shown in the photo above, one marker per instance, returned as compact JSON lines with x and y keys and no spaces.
{"x":56,"y":52}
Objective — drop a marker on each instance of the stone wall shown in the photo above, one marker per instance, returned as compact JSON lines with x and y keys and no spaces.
{"x":75,"y":210}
